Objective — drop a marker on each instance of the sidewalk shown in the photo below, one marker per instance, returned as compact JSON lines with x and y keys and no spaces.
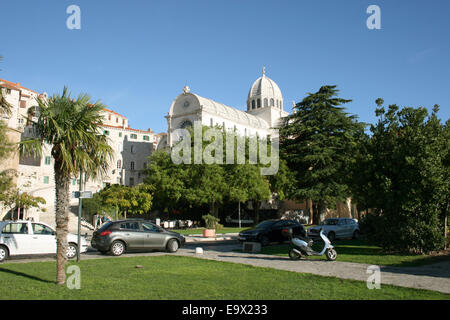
{"x":434,"y":277}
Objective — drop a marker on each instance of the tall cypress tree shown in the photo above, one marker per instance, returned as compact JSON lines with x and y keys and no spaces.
{"x":318,"y":142}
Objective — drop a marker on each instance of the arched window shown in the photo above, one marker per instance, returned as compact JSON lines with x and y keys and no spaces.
{"x":253,"y":104}
{"x":259,"y":103}
{"x":272,"y":103}
{"x":266,"y":103}
{"x":185,"y":124}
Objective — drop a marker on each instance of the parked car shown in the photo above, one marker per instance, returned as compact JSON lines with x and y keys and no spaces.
{"x":29,"y":238}
{"x":337,"y":228}
{"x":116,"y":237}
{"x":271,"y":231}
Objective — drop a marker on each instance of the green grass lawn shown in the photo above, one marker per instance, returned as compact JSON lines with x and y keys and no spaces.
{"x":200,"y":230}
{"x":360,"y":251}
{"x":175,"y":277}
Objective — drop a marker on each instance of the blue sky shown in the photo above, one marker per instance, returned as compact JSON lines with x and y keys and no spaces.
{"x":136,"y":56}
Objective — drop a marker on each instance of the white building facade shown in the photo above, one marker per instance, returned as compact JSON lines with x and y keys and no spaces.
{"x":262,"y":117}
{"x":131,"y":150}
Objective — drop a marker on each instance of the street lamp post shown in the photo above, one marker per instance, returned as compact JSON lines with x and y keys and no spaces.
{"x":18,"y":205}
{"x":239,"y":212}
{"x":80,"y":204}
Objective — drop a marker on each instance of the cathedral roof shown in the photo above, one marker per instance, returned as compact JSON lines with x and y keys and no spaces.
{"x":231,"y":113}
{"x":265,"y":87}
{"x":216,"y":108}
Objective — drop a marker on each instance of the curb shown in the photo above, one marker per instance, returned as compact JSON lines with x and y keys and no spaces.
{"x":219,"y":237}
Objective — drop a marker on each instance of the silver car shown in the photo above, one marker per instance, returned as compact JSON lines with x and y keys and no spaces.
{"x":337,"y":228}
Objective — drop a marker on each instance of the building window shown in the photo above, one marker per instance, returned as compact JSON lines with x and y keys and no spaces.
{"x":117,"y":120}
{"x":46,"y":180}
{"x":120,"y":134}
{"x":259,"y":103}
{"x":272,"y":103}
{"x":132,"y":165}
{"x":20,"y":121}
{"x":253,"y":104}
{"x":131,"y":181}
{"x":74,"y":181}
{"x":109,"y":117}
{"x":186,"y":124}
{"x":8,"y":91}
{"x":119,"y":164}
{"x":47,"y":160}
{"x":132,"y":149}
{"x":133,"y":136}
{"x":146,"y":138}
{"x":144,"y":165}
{"x":266,"y":103}
{"x":106,"y":133}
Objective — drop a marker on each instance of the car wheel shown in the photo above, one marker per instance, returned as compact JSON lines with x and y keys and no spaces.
{"x":264,"y":241}
{"x":331,"y":236}
{"x":72,"y":250}
{"x":331,"y":254}
{"x":3,"y":253}
{"x":117,"y":248}
{"x":172,"y":245}
{"x":356,"y":234}
{"x":293,"y":255}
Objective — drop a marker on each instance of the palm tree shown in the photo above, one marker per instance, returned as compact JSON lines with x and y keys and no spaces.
{"x":71,"y":128}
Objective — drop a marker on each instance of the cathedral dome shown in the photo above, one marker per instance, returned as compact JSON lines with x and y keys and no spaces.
{"x":264,"y":93}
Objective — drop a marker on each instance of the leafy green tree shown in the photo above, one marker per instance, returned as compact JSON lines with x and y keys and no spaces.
{"x":196,"y":185}
{"x":168,"y":179}
{"x":71,"y":127}
{"x":95,"y":205}
{"x":27,"y":201}
{"x":318,"y":142}
{"x":125,"y":199}
{"x":406,"y":179}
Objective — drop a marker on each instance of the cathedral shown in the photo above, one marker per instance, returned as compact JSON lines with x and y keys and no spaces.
{"x":262,"y":117}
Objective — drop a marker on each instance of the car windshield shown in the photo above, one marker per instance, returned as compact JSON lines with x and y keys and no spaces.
{"x":330,"y":222}
{"x":265,"y":224}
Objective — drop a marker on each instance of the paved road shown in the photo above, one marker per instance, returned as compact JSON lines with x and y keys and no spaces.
{"x":432,"y":277}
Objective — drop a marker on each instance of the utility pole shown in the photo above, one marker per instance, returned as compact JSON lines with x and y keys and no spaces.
{"x":80,"y":204}
{"x":239,"y":212}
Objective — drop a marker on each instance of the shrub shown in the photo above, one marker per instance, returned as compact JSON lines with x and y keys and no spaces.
{"x":210,"y":221}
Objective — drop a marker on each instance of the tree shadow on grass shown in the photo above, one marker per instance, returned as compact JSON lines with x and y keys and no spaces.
{"x":21,"y":274}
